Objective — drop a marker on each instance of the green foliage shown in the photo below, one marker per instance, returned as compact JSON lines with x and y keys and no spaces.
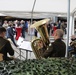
{"x":50,"y":66}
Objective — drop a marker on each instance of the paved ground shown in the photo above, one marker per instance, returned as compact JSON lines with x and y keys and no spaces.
{"x":28,"y":37}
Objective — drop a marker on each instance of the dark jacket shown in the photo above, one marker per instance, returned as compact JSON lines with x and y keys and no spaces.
{"x":5,"y":47}
{"x":57,"y":49}
{"x":10,"y":32}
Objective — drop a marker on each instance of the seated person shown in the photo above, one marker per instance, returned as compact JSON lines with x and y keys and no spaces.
{"x":56,"y":48}
{"x":72,"y":47}
{"x":5,"y":46}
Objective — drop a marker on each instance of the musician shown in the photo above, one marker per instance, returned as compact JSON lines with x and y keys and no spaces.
{"x":5,"y":46}
{"x":56,"y":48}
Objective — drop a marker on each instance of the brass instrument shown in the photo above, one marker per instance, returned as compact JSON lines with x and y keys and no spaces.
{"x":40,"y":26}
{"x":1,"y":57}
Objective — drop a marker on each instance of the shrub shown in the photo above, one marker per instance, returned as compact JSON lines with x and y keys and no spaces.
{"x":50,"y":66}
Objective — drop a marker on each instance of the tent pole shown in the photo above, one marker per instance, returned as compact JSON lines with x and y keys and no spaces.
{"x":68,"y":23}
{"x":32,"y":15}
{"x":71,"y":32}
{"x":72,"y":25}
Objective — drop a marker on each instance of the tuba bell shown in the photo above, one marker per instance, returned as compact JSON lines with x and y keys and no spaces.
{"x":38,"y":49}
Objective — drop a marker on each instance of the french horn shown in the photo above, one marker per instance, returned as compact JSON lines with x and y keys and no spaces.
{"x":39,"y":45}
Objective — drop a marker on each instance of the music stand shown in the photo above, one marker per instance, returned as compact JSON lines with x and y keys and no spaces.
{"x":26,"y":46}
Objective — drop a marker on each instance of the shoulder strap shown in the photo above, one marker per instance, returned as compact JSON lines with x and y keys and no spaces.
{"x":3,"y":42}
{"x":2,"y":47}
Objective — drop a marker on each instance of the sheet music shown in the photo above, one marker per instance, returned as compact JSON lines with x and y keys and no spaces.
{"x":26,"y":45}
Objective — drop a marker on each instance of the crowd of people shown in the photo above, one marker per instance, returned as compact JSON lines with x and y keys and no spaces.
{"x":11,"y":31}
{"x":51,"y":27}
{"x":25,"y":27}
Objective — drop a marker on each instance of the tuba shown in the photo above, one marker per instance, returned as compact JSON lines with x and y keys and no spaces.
{"x":38,"y":49}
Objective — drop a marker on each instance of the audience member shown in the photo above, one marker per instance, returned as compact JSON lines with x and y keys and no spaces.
{"x":10,"y":33}
{"x":72,"y":47}
{"x":23,"y":25}
{"x":5,"y":24}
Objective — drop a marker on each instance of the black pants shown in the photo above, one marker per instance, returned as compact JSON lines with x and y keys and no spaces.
{"x":12,"y":38}
{"x":23,"y":33}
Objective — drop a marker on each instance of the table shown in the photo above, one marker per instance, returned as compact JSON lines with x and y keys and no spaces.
{"x":18,"y":29}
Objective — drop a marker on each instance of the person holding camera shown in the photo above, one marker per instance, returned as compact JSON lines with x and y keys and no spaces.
{"x":72,"y":47}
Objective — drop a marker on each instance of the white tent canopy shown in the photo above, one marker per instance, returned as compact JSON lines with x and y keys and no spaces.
{"x":42,"y":9}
